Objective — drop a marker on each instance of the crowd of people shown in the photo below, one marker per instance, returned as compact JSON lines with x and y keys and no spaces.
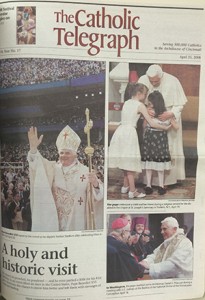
{"x":16,"y":211}
{"x":26,"y":71}
{"x":15,"y":175}
{"x":58,"y":117}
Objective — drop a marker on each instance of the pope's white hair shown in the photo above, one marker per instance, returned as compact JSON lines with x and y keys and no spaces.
{"x":154,"y":70}
{"x":172,"y":222}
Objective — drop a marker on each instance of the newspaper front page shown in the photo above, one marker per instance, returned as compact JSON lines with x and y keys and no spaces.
{"x":102,"y":150}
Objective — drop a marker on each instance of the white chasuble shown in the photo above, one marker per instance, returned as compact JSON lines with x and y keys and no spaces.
{"x":172,"y":259}
{"x":65,"y":191}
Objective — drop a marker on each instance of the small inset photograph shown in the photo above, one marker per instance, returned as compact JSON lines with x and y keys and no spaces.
{"x":26,"y":25}
{"x":149,"y":246}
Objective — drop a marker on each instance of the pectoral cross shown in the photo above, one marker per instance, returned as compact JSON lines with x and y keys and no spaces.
{"x":80,"y":200}
{"x":82,"y":177}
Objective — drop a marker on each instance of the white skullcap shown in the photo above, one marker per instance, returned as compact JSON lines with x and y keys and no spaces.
{"x":172,"y":222}
{"x":68,"y":140}
{"x":154,"y":70}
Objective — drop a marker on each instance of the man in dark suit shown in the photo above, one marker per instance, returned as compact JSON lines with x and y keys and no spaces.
{"x":121,"y":264}
{"x":15,"y":212}
{"x":24,"y":195}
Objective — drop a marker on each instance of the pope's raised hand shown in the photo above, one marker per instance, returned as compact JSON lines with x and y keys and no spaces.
{"x":34,"y":140}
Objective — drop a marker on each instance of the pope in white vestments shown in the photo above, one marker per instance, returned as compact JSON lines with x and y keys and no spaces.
{"x":61,"y":191}
{"x":175,"y":99}
{"x":174,"y":257}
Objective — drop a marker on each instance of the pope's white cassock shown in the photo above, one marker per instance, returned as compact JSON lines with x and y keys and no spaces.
{"x":59,"y":195}
{"x":172,"y":259}
{"x":175,"y":99}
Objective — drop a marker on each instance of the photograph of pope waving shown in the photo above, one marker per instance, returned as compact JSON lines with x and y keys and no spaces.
{"x":65,"y":195}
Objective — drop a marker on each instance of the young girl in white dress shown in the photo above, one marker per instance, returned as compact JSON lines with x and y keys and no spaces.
{"x":124,"y":152}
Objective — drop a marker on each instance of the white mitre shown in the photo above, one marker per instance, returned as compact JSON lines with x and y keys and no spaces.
{"x":68,"y":140}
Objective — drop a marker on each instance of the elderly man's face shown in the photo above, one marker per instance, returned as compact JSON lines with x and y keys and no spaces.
{"x":167,"y":231}
{"x":155,"y":81}
{"x":66,"y":157}
{"x":139,"y":228}
{"x":125,"y":235}
{"x":128,"y":217}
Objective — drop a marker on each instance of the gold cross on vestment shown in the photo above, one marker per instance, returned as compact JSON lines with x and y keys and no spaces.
{"x":82,"y":177}
{"x":80,"y":200}
{"x":65,"y":135}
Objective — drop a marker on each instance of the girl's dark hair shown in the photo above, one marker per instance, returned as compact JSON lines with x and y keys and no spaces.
{"x":157,"y":101}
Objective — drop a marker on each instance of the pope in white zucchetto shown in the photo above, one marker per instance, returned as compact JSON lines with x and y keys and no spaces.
{"x":61,"y":191}
{"x":174,"y":97}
